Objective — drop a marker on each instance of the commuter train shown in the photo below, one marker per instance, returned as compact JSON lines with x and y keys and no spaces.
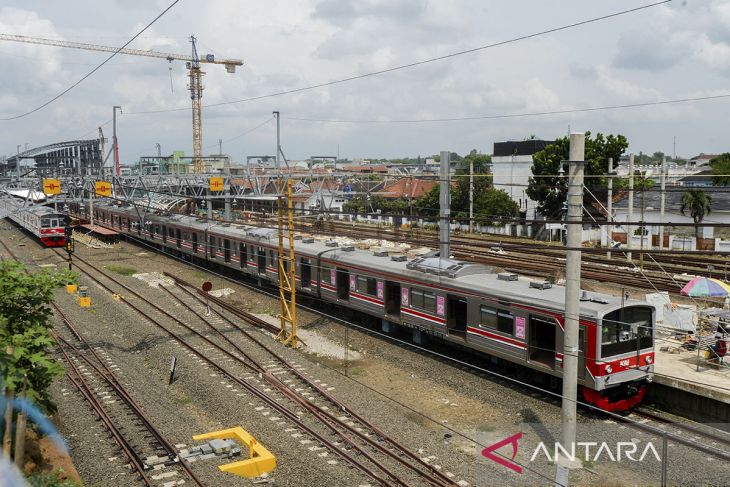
{"x":509,"y":318}
{"x":43,"y":222}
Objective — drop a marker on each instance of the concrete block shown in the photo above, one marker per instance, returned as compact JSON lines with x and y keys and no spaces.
{"x":219,"y":446}
{"x":155,"y":460}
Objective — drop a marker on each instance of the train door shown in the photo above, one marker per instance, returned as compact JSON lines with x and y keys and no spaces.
{"x":164,"y":234}
{"x":211,"y":245}
{"x":242,"y":254}
{"x":456,"y":316}
{"x":343,"y":284}
{"x":392,"y":298}
{"x":542,"y":340}
{"x":305,"y":269}
{"x":226,"y":250}
{"x":261,"y":260}
{"x":129,"y":224}
{"x":178,"y":238}
{"x":195,"y":243}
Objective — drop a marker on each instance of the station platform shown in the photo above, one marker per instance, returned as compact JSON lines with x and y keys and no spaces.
{"x":679,"y":383}
{"x":102,"y":233}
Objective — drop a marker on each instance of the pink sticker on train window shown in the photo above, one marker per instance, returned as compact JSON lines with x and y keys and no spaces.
{"x":519,"y":327}
{"x":333,"y":277}
{"x":353,"y":283}
{"x":404,"y":296}
{"x":440,"y":305}
{"x":380,"y":289}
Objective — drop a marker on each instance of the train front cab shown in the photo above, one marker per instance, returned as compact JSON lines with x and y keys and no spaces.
{"x":624,"y":360}
{"x":53,"y":230}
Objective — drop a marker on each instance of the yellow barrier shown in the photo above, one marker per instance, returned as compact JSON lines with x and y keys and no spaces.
{"x":261,"y":460}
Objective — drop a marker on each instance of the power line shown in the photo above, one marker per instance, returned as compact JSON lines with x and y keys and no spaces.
{"x":417,"y":63}
{"x":516,"y":115}
{"x":15,"y":117}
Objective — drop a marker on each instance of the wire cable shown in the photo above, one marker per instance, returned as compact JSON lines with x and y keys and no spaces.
{"x":516,"y":115}
{"x":418,"y":63}
{"x":40,"y":107}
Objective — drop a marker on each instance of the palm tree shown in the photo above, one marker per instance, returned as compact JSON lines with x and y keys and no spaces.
{"x":697,"y":202}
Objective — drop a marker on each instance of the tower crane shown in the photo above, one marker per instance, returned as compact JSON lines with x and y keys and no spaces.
{"x":192,"y":63}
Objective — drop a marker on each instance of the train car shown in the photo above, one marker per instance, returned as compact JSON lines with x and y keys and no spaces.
{"x":43,"y":222}
{"x":509,"y":318}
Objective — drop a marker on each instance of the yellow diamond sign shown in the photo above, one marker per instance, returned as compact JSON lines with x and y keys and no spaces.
{"x":216,"y":183}
{"x":51,"y":186}
{"x":103,"y":188}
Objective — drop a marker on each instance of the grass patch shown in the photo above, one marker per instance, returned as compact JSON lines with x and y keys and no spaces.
{"x":120,"y":269}
{"x":183,"y":400}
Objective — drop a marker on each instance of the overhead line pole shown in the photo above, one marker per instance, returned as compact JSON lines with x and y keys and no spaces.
{"x":629,"y":226}
{"x":117,"y":169}
{"x":572,"y":302}
{"x":444,"y":205}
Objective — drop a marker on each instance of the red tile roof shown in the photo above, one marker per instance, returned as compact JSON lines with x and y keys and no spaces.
{"x":407,"y":188}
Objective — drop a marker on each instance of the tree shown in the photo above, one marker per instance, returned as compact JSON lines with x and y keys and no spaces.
{"x":721,"y":170}
{"x":697,"y":203}
{"x":481,"y":162}
{"x":26,"y":367}
{"x":491,"y":206}
{"x":549,"y":190}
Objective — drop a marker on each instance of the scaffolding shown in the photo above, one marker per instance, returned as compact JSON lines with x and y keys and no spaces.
{"x":287,"y":270}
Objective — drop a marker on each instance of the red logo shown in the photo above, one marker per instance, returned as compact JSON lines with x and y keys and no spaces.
{"x":512,"y":440}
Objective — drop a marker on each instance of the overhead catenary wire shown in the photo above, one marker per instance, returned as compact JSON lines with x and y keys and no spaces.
{"x":418,"y":63}
{"x":90,"y":73}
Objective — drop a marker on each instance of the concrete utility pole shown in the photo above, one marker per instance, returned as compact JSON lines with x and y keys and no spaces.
{"x":572,"y":301}
{"x":662,"y":202}
{"x":471,"y":196}
{"x":117,"y":169}
{"x":609,"y":207}
{"x":444,"y":204}
{"x":629,"y":226}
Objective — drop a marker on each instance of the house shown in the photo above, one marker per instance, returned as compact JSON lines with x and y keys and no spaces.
{"x":512,"y":169}
{"x":406,"y":188}
{"x":702,"y":179}
{"x":702,"y":159}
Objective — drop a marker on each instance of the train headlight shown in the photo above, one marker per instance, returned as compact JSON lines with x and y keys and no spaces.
{"x":649,"y":360}
{"x":609,"y":369}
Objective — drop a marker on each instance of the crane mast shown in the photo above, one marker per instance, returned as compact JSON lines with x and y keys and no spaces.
{"x":196,"y":93}
{"x":195,"y":75}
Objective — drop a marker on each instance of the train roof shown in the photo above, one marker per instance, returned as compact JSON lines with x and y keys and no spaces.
{"x":39,"y":210}
{"x":467,"y":277}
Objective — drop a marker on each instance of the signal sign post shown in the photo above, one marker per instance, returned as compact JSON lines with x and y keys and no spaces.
{"x":70,"y":247}
{"x":207,"y":286}
{"x":51,"y":186}
{"x":103,"y":188}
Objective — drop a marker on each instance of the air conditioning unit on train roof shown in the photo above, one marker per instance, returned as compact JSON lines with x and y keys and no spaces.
{"x":308,"y":240}
{"x":541,"y":285}
{"x":331,"y":243}
{"x":507,"y":276}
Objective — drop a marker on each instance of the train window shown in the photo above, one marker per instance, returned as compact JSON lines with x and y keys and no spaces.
{"x":505,"y":322}
{"x":325,"y":273}
{"x":212,"y":247}
{"x":626,"y":330}
{"x":425,"y":300}
{"x":367,"y":285}
{"x":488,"y":317}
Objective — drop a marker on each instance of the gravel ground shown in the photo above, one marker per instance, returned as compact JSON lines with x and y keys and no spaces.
{"x":446,"y":406}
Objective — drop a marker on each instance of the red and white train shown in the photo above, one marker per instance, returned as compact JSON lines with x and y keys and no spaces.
{"x":511,"y":319}
{"x":43,"y":222}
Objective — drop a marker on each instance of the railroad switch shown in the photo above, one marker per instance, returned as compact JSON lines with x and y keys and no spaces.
{"x":260,"y":459}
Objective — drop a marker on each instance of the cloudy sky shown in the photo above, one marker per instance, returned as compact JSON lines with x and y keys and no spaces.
{"x":677,"y":50}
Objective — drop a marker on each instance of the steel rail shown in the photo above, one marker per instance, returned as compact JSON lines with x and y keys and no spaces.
{"x":251,"y":319}
{"x":252,"y":389}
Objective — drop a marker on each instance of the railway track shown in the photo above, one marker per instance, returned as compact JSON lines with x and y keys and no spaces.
{"x":325,"y":421}
{"x":123,"y":418}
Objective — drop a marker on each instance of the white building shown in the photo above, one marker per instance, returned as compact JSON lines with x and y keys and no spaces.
{"x":512,"y":168}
